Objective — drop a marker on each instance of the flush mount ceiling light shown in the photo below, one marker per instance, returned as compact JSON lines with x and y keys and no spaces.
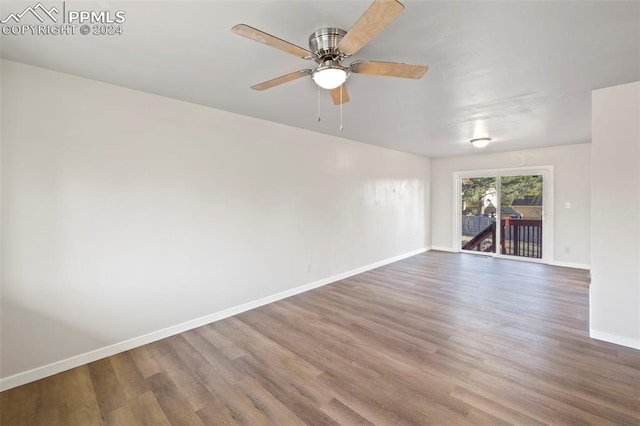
{"x":330,"y":74}
{"x":480,"y":142}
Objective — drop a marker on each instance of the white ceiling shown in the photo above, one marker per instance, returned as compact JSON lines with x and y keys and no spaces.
{"x":522,"y":70}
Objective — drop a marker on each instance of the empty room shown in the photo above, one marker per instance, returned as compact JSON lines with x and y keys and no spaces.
{"x":265,"y":212}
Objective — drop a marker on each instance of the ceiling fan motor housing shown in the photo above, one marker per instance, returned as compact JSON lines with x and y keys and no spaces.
{"x":324,"y":43}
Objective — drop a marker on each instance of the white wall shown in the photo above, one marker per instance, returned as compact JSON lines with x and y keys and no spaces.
{"x":571,"y":241}
{"x":124,"y":213}
{"x":615,"y":215}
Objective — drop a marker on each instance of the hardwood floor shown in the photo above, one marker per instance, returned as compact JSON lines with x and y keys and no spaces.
{"x":438,"y":338}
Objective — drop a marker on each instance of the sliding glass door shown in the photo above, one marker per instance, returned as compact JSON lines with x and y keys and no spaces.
{"x":502,"y":213}
{"x":478,"y":224}
{"x":521,"y":222}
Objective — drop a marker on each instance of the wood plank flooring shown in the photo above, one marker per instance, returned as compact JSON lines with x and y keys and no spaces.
{"x":438,"y":338}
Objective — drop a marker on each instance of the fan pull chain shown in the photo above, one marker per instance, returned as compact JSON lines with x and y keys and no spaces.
{"x":341,"y":127}
{"x":319,"y":119}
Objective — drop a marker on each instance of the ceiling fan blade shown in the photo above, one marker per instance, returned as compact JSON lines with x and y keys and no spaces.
{"x":269,"y":40}
{"x":335,"y":94}
{"x":280,"y":80}
{"x":375,"y":19}
{"x":389,"y":69}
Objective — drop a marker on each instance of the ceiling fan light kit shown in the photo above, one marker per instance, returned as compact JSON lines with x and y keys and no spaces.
{"x":328,"y":47}
{"x":480,"y":142}
{"x":330,"y":74}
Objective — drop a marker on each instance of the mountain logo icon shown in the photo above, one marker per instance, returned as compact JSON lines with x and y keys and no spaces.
{"x":38,"y":11}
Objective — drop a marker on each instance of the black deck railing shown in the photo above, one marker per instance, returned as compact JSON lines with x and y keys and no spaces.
{"x":522,"y":237}
{"x":481,"y":241}
{"x":519,"y":237}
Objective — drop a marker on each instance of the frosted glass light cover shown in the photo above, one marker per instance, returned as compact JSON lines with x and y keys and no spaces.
{"x":329,"y":78}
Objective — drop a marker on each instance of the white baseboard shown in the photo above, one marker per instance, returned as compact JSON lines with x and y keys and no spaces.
{"x":82,"y":359}
{"x":553,"y":262}
{"x":618,"y":340}
{"x":440,"y":248}
{"x":570,"y":264}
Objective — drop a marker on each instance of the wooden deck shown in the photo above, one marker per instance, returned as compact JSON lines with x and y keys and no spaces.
{"x":438,"y":338}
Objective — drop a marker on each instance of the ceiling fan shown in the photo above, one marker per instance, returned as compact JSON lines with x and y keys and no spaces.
{"x":328,"y":47}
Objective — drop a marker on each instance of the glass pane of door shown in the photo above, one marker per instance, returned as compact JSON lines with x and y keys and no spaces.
{"x":478,"y":216}
{"x":521,"y":215}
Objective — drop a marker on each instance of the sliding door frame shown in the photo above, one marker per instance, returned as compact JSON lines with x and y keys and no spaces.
{"x":547,"y":208}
